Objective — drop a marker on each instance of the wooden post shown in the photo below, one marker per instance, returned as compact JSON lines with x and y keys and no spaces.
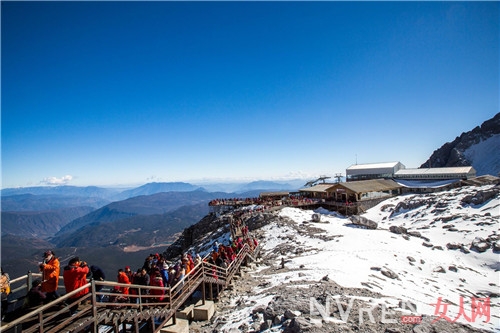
{"x":139,"y":297}
{"x":95,"y":329}
{"x":152,"y":323}
{"x":136,"y":324}
{"x":29,"y":280}
{"x":203,"y":292}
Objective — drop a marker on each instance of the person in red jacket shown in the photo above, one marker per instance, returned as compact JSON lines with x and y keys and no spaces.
{"x":123,"y":278}
{"x":75,"y":276}
{"x":157,"y":281}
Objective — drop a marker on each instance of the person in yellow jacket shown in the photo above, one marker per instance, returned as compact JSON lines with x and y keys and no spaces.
{"x":50,"y":268}
{"x":5,"y":290}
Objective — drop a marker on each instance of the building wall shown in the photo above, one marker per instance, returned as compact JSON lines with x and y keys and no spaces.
{"x":373,"y":172}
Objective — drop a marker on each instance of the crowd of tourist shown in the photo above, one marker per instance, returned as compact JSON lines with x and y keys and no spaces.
{"x":223,"y":255}
{"x":156,"y":271}
{"x":265,"y":203}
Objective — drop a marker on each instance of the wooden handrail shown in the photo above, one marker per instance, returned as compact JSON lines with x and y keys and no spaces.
{"x":174,"y":296}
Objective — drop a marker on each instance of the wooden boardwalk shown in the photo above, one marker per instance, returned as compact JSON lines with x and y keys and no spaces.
{"x":141,"y":313}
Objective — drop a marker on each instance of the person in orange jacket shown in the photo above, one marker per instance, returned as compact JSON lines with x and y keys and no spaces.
{"x":50,"y":268}
{"x":75,"y":276}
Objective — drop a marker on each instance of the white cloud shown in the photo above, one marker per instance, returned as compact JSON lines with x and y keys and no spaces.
{"x":57,"y":181}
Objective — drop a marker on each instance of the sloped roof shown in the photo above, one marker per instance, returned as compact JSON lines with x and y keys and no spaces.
{"x":317,"y":188}
{"x":371,"y":185}
{"x":275,"y":194}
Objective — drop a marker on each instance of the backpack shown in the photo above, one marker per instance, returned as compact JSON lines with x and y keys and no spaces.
{"x":4,"y":285}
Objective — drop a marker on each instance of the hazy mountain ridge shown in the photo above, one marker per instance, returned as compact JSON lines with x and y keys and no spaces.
{"x":93,"y":194}
{"x":153,"y":188}
{"x":159,"y":203}
{"x":32,"y":202}
{"x":65,"y":190}
{"x":459,"y":152}
{"x":40,"y":224}
{"x":140,"y":230}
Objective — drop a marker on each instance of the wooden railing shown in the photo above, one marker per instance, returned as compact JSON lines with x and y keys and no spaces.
{"x":120,"y":309}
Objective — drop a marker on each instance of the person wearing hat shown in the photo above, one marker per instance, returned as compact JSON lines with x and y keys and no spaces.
{"x":164,"y":273}
{"x":130,"y":273}
{"x":50,"y":268}
{"x":36,"y":296}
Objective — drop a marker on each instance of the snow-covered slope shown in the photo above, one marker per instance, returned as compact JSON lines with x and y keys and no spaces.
{"x":419,"y":266}
{"x":485,"y":156}
{"x":478,"y":147}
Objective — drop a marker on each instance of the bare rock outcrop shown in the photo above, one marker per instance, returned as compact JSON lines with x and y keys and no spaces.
{"x":364,"y":222}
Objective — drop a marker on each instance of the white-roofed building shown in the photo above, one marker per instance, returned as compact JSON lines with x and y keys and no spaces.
{"x":373,"y":171}
{"x":448,"y":173}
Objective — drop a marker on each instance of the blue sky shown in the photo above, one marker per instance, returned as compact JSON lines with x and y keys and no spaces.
{"x":108,"y":93}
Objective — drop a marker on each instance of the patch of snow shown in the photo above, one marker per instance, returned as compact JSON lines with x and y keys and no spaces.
{"x":487,"y":153}
{"x":236,"y":318}
{"x":356,"y":259}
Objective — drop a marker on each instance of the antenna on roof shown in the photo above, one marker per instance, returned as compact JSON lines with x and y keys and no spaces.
{"x":356,"y":159}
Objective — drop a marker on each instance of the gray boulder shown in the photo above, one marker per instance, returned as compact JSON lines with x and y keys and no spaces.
{"x":480,"y":245}
{"x":364,"y":222}
{"x":387,"y":272}
{"x":398,"y":229}
{"x":453,"y":246}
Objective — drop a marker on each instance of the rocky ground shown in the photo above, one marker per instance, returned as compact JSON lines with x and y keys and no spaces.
{"x":254,"y":305}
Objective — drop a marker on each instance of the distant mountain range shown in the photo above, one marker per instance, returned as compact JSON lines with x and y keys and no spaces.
{"x":95,"y":196}
{"x":40,"y":224}
{"x":143,"y":205}
{"x":73,"y":191}
{"x":111,"y":235}
{"x":133,"y":231}
{"x":32,"y":202}
{"x":152,"y":188}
